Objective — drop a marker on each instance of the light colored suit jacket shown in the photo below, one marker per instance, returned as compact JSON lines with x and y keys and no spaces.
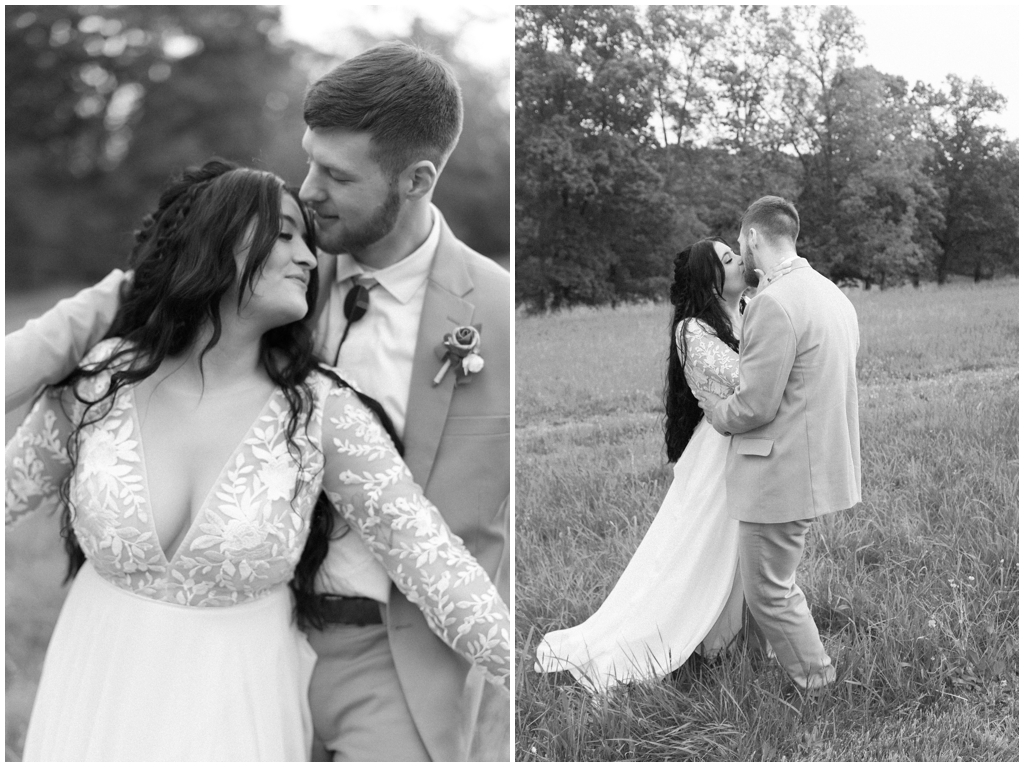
{"x":457,"y":445}
{"x":795,"y":448}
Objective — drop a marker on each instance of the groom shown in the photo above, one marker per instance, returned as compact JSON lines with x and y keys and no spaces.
{"x":395,"y":281}
{"x":795,"y":448}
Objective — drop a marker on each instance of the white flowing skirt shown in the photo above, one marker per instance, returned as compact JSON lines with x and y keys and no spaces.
{"x":680,"y":589}
{"x":127,"y":678}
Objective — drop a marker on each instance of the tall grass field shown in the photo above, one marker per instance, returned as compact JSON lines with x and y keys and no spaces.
{"x":915,"y":591}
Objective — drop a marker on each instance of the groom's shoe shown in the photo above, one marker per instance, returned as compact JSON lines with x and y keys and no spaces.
{"x":817,"y":685}
{"x":794,"y":693}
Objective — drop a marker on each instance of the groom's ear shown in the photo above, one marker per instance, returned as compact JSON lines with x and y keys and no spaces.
{"x":418,"y":179}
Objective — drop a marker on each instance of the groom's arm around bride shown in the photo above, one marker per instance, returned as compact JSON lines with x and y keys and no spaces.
{"x":795,"y":452}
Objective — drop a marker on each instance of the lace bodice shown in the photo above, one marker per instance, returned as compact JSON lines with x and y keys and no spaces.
{"x":248,"y":535}
{"x":709,"y":365}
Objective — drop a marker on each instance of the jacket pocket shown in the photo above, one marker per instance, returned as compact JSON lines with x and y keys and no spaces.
{"x":761,"y":447}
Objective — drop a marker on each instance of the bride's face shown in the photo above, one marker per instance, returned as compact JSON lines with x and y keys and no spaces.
{"x":735,"y":283}
{"x":278,"y":297}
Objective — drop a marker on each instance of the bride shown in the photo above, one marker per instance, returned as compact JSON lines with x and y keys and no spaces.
{"x":188,"y":451}
{"x":681,"y":592}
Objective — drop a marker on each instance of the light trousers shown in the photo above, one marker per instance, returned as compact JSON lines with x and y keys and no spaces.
{"x":359,"y":710}
{"x":769,"y":555}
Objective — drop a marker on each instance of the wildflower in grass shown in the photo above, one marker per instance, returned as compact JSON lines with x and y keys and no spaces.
{"x":932,"y":624}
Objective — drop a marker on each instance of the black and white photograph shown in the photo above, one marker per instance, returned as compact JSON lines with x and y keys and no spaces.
{"x":258,"y":383}
{"x":766,"y":383}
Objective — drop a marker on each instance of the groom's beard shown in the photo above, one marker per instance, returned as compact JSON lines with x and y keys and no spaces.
{"x":749,"y":275}
{"x":352,"y":239}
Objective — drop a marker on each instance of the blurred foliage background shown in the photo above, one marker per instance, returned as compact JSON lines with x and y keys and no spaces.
{"x":105,"y":103}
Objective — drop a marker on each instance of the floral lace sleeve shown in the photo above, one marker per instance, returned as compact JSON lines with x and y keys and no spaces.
{"x":710,"y":365}
{"x":36,"y":460}
{"x":373,"y":489}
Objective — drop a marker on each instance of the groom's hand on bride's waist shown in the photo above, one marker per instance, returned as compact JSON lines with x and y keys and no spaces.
{"x":707,"y":402}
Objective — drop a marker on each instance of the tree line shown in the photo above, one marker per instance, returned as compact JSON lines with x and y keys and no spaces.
{"x":639,"y":131}
{"x":105,"y":103}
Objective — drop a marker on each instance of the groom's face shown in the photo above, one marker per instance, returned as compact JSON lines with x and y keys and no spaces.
{"x":355,"y":202}
{"x":748,"y":259}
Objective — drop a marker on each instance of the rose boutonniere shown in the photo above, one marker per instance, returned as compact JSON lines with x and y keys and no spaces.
{"x":460,"y":350}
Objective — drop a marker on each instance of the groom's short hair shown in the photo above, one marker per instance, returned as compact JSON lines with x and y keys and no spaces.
{"x":774,"y":217}
{"x":406,"y":98}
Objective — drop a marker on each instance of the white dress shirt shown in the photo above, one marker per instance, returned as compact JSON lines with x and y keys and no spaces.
{"x":377,"y":356}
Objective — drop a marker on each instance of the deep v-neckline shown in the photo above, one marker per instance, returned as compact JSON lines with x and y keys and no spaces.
{"x":201,"y":509}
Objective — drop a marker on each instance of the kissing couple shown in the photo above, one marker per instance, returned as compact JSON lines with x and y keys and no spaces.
{"x":250,"y":435}
{"x":762,"y":424}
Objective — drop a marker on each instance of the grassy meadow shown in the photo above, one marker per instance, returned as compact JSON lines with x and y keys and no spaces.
{"x":915,"y":591}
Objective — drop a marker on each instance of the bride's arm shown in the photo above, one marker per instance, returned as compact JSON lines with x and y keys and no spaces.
{"x":51,"y":346}
{"x":709,"y":362}
{"x":369,"y":483}
{"x":709,"y":355}
{"x":36,"y":459}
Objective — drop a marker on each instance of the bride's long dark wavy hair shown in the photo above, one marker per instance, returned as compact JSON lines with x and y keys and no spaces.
{"x":696,"y":292}
{"x":184,"y":264}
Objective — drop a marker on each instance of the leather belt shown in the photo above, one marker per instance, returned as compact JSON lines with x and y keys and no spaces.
{"x":351,"y":611}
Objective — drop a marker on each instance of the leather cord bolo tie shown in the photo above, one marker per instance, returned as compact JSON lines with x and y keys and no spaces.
{"x":357,"y":301}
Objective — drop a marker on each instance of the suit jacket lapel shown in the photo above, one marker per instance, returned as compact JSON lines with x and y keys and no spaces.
{"x":443,"y":309}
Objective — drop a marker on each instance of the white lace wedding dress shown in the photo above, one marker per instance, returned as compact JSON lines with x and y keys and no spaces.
{"x":192,"y":655}
{"x":681,"y":589}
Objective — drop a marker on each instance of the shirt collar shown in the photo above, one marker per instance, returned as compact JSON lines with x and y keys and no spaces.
{"x":401,"y":279}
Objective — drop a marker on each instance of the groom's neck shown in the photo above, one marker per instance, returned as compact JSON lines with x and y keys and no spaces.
{"x":769,"y":259}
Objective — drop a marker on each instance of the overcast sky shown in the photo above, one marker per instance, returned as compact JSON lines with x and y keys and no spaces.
{"x":929,"y":42}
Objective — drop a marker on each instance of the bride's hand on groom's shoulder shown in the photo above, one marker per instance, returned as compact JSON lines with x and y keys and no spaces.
{"x":763,"y":280}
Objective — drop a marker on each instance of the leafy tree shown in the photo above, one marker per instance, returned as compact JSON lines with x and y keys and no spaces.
{"x":592,"y":222}
{"x":884,"y":199}
{"x":727,"y":151}
{"x":749,"y":80}
{"x":864,"y":193}
{"x":823,"y":46}
{"x":697,"y":110}
{"x":681,"y":43}
{"x":977,"y":172}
